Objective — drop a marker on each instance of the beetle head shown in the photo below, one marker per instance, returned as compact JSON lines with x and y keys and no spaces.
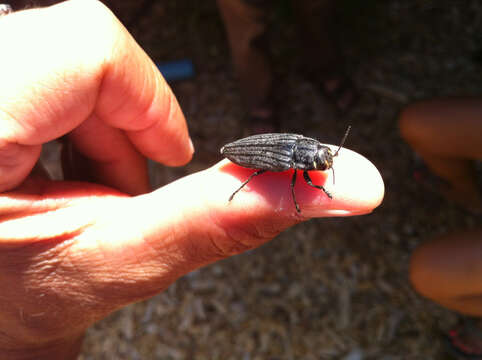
{"x":323,"y":158}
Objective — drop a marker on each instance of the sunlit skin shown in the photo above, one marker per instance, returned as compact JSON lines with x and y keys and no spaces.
{"x":72,"y":252}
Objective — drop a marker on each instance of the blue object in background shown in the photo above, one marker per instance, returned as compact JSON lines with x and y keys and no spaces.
{"x":176,"y":70}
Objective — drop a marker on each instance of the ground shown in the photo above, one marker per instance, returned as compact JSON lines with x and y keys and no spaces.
{"x":328,"y":288}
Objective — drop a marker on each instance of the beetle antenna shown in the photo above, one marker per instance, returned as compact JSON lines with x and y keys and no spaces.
{"x":343,"y":140}
{"x":333,"y":171}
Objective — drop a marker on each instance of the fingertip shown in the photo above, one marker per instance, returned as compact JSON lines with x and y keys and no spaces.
{"x":175,"y":146}
{"x":16,"y":162}
{"x":358,"y":183}
{"x":161,"y":131}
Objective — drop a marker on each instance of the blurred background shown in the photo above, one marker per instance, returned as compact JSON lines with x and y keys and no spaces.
{"x":328,"y":288}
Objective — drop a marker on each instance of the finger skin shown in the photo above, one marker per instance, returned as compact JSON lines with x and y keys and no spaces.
{"x":84,"y":250}
{"x":93,"y":82}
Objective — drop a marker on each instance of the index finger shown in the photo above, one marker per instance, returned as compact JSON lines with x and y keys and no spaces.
{"x":92,"y":77}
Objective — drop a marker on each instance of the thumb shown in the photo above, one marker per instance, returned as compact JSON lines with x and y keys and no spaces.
{"x":190,"y":223}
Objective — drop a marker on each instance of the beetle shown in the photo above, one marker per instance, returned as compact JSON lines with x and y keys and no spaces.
{"x":281,"y":152}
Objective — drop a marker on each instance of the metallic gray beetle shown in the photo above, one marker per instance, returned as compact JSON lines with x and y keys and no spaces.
{"x":281,"y":152}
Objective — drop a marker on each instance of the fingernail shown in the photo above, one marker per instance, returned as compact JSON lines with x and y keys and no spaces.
{"x":340,"y":212}
{"x":191,"y":146}
{"x":335,"y":213}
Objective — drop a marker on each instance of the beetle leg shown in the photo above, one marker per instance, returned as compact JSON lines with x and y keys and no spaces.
{"x":309,"y":182}
{"x":259,"y":172}
{"x":293,"y":181}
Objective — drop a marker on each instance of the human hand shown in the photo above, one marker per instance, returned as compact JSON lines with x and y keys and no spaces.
{"x":73,"y":252}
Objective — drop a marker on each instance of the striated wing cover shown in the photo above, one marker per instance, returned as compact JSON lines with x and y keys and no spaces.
{"x":273,"y":152}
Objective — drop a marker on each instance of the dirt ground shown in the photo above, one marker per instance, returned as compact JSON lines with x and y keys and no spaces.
{"x":328,"y":288}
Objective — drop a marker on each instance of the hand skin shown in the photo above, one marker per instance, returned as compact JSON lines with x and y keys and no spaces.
{"x":71,"y":252}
